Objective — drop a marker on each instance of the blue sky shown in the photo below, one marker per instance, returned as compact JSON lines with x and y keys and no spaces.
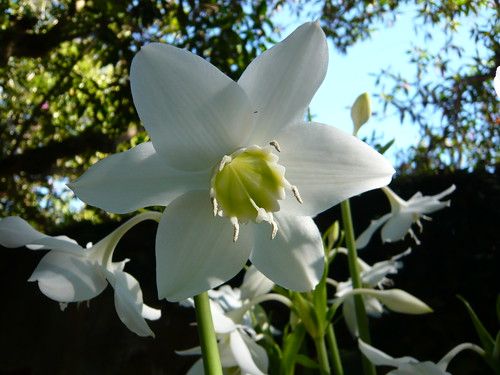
{"x":353,"y":73}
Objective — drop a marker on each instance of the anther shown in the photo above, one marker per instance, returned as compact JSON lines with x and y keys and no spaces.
{"x":215,"y":205}
{"x":276,"y":145}
{"x":274,"y":230}
{"x":296,"y":194}
{"x":236,"y":228}
{"x":225,"y":160}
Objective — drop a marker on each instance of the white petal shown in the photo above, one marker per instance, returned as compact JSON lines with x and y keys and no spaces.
{"x":193,"y":112}
{"x":242,"y":355}
{"x":197,"y":368}
{"x":129,"y":304}
{"x":379,"y":358}
{"x":255,"y":284}
{"x":222,"y":324}
{"x":364,"y":238}
{"x":194,"y":250}
{"x":396,"y":227}
{"x":259,"y":354}
{"x":420,"y":368}
{"x":349,"y":314}
{"x":134,"y":179}
{"x":64,"y":277}
{"x":328,"y":166}
{"x":282,"y":81}
{"x":16,"y":232}
{"x":294,"y":259}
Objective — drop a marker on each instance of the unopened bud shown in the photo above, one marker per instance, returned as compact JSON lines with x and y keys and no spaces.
{"x":361,"y":111}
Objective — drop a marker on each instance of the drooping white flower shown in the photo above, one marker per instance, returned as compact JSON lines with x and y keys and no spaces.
{"x":371,"y":277}
{"x":233,"y":326}
{"x":403,"y":214}
{"x":239,"y":151}
{"x":71,"y":273}
{"x":411,"y":366}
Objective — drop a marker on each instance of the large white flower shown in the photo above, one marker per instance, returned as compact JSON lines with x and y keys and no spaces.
{"x":71,"y":273}
{"x":411,"y":366}
{"x":239,"y":151}
{"x":403,"y":214}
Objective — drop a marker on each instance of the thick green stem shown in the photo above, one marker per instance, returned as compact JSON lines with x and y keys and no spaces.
{"x":208,"y":341}
{"x":334,"y":351}
{"x":361,"y":318}
{"x":324,"y":365}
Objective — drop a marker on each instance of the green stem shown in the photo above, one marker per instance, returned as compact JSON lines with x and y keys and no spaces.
{"x":324,"y":366}
{"x":208,"y":341}
{"x":334,"y":351}
{"x":361,"y":318}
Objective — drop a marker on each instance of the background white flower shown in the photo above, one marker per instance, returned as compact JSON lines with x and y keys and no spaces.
{"x":71,"y":273}
{"x":411,"y":366}
{"x":239,"y":150}
{"x":403,"y":214}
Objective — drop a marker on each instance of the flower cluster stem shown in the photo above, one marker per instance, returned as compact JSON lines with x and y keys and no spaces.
{"x":208,"y":341}
{"x":361,"y":318}
{"x":334,"y":351}
{"x":324,"y":365}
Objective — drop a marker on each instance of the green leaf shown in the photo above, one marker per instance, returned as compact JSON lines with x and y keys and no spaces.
{"x":485,"y":338}
{"x":387,"y":146}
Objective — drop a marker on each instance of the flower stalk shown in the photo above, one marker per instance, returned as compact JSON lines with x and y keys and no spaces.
{"x":352,"y":255}
{"x":324,"y":365}
{"x":208,"y":341}
{"x":333,"y":347}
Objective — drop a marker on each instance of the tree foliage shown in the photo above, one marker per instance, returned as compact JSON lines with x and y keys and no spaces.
{"x":65,"y":99}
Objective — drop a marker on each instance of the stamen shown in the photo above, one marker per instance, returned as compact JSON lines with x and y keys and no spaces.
{"x":225,"y":160}
{"x":296,"y":194}
{"x":274,"y":229}
{"x":420,"y":226}
{"x":276,"y":145}
{"x":236,"y":228}
{"x":412,"y":235}
{"x":215,"y":205}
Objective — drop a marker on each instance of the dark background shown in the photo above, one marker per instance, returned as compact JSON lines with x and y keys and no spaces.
{"x":458,"y":255}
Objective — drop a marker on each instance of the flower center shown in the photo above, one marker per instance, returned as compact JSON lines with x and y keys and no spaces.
{"x":248,"y":184}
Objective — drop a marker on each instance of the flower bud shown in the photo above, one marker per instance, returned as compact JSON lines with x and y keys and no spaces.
{"x":361,"y":111}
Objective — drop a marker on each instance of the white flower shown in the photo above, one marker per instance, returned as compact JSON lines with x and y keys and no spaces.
{"x":239,"y":151}
{"x":411,"y":366}
{"x":371,"y":277}
{"x":403,"y":214}
{"x":71,"y":273}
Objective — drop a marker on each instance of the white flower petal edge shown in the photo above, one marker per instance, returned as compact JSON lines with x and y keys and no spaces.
{"x":192,"y":111}
{"x":194,"y":250}
{"x":328,"y":166}
{"x":295,"y":258}
{"x":74,"y":274}
{"x":133,"y":179}
{"x":282,"y":81}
